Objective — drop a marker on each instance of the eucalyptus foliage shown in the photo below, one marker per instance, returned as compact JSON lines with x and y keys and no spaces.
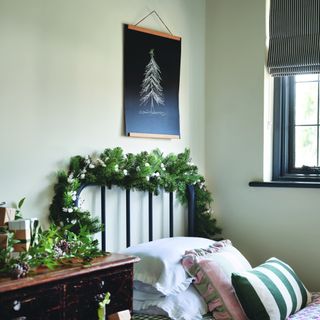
{"x":145,"y":171}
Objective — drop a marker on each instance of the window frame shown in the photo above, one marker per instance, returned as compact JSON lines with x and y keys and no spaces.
{"x":283,"y":135}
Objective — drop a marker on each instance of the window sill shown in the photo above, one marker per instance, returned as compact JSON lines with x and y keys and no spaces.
{"x":285,"y":184}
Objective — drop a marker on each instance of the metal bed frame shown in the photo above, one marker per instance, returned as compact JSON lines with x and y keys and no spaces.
{"x":191,"y":212}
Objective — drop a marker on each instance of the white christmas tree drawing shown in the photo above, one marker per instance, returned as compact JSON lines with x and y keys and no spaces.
{"x":151,"y":90}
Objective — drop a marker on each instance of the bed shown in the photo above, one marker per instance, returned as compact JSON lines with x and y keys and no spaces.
{"x":191,"y":278}
{"x":312,"y":311}
{"x":154,"y":317}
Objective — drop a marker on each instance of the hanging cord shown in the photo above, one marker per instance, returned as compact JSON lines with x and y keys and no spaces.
{"x":156,"y":13}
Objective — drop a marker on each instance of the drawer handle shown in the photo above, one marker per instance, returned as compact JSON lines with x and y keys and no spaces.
{"x":16,"y":305}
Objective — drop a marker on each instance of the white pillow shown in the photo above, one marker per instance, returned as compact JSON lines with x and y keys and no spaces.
{"x":187,"y":305}
{"x":147,"y":288}
{"x":160,"y":264}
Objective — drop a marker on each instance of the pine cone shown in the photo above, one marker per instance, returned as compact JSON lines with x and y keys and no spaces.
{"x":19,"y":270}
{"x":61,"y":248}
{"x":64,"y":246}
{"x":57,"y":252}
{"x":25,"y":267}
{"x":16,"y":271}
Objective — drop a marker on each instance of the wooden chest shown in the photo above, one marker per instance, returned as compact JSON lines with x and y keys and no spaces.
{"x":69,"y":293}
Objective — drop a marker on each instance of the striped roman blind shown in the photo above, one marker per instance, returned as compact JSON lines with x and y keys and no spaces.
{"x":294,"y":37}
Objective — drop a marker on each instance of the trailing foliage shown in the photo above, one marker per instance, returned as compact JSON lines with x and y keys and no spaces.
{"x":53,"y":247}
{"x":144,"y":171}
{"x":60,"y":246}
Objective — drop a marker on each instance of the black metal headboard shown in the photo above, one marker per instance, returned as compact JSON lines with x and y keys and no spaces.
{"x":191,"y":212}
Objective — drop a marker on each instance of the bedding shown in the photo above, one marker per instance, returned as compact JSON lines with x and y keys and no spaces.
{"x":187,"y":305}
{"x":161,"y":278}
{"x":160,"y":269}
{"x":150,"y":317}
{"x":311,"y":311}
{"x":212,"y":268}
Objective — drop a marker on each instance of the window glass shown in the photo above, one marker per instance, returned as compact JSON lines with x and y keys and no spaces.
{"x":296,"y":152}
{"x":306,"y":121}
{"x":307,"y":77}
{"x":306,"y":102}
{"x":306,"y":146}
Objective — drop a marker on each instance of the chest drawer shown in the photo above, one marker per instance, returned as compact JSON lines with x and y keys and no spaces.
{"x":36,"y":301}
{"x":69,"y":293}
{"x":81,"y":292}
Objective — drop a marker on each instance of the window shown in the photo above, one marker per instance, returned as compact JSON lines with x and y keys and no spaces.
{"x":293,"y":60}
{"x":296,"y":153}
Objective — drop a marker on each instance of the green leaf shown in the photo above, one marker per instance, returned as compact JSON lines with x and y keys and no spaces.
{"x":20,"y":204}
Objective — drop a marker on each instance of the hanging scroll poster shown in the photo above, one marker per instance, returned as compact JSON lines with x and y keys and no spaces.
{"x":151,"y":83}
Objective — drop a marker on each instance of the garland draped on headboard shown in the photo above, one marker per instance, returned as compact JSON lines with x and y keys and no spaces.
{"x":144,"y":171}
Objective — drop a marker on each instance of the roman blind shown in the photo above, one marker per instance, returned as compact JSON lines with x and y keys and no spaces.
{"x":294,"y":37}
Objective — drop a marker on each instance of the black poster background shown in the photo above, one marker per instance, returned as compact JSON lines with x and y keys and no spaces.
{"x":167,"y":53}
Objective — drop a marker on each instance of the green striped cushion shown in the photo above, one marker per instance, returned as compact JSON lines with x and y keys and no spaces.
{"x":271,"y":291}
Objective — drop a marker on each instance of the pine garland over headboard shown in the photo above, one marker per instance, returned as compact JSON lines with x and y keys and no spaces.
{"x":145,"y":171}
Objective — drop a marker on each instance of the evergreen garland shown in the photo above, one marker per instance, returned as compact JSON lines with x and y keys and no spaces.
{"x":144,"y":172}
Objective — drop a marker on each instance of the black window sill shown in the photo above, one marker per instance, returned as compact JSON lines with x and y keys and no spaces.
{"x":285,"y":184}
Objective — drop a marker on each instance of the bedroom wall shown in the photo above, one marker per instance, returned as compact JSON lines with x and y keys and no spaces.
{"x":61,"y":87}
{"x":262,"y":222}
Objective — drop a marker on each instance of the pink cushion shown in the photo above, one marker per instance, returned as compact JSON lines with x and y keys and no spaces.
{"x":212,"y":269}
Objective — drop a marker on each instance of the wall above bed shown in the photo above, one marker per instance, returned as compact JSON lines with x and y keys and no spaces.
{"x":61,"y":87}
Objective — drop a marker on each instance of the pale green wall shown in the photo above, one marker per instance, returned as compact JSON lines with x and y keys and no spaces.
{"x":61,"y":86}
{"x":262,"y":222}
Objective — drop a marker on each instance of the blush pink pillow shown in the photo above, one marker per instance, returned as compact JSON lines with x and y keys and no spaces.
{"x":212,"y":269}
